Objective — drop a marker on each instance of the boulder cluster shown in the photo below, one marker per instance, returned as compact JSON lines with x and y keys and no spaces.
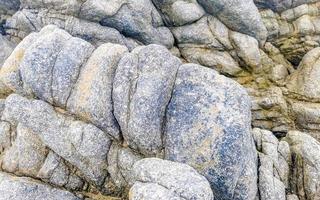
{"x":160,"y":99}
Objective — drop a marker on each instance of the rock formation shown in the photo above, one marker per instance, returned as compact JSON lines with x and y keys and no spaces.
{"x":160,"y":99}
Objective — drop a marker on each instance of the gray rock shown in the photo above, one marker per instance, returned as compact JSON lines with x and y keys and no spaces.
{"x":141,"y":91}
{"x":239,"y":15}
{"x":146,"y":25}
{"x":180,"y":12}
{"x":307,"y":116}
{"x":37,"y":65}
{"x":19,"y":26}
{"x":205,"y":42}
{"x":120,"y":163}
{"x":97,"y":10}
{"x":10,"y":79}
{"x":304,"y":81}
{"x":270,"y":187}
{"x":168,"y":180}
{"x":292,"y":197}
{"x":83,"y":145}
{"x":6,"y":48}
{"x":275,"y":158}
{"x":305,"y":177}
{"x":152,"y":191}
{"x":17,"y":188}
{"x":208,"y":127}
{"x":26,"y":155}
{"x":281,"y":5}
{"x":91,"y":98}
{"x":65,"y":72}
{"x":247,"y":49}
{"x":56,"y":172}
{"x":9,"y":6}
{"x":5,"y":136}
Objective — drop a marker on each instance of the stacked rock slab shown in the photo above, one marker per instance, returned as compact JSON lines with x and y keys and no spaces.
{"x":90,"y":103}
{"x":75,"y":123}
{"x":257,"y":48}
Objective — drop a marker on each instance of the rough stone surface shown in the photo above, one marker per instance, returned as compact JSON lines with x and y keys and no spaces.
{"x":6,"y":49}
{"x":201,"y":132}
{"x":91,"y":98}
{"x":170,"y":180}
{"x":141,"y":92}
{"x":305,"y":80}
{"x":274,"y":162}
{"x":83,"y":145}
{"x":83,"y":73}
{"x":240,"y":15}
{"x":14,"y":188}
{"x":305,"y":176}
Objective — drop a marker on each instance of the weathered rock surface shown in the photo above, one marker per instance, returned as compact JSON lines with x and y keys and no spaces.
{"x":274,"y":161}
{"x":306,"y":171}
{"x":6,"y":49}
{"x":83,"y":145}
{"x":91,"y":98}
{"x":141,"y":92}
{"x":201,"y":132}
{"x":239,"y":15}
{"x":91,"y":101}
{"x":154,"y":178}
{"x":304,"y":82}
{"x":7,"y":8}
{"x":14,"y":188}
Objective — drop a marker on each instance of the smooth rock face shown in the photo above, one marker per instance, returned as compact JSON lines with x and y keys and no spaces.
{"x":239,"y":15}
{"x":247,"y":49}
{"x":208,"y":128}
{"x":83,"y":145}
{"x":154,"y":178}
{"x":141,"y":91}
{"x":17,"y":188}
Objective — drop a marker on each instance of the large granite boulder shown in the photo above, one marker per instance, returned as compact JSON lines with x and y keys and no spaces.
{"x":208,"y":127}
